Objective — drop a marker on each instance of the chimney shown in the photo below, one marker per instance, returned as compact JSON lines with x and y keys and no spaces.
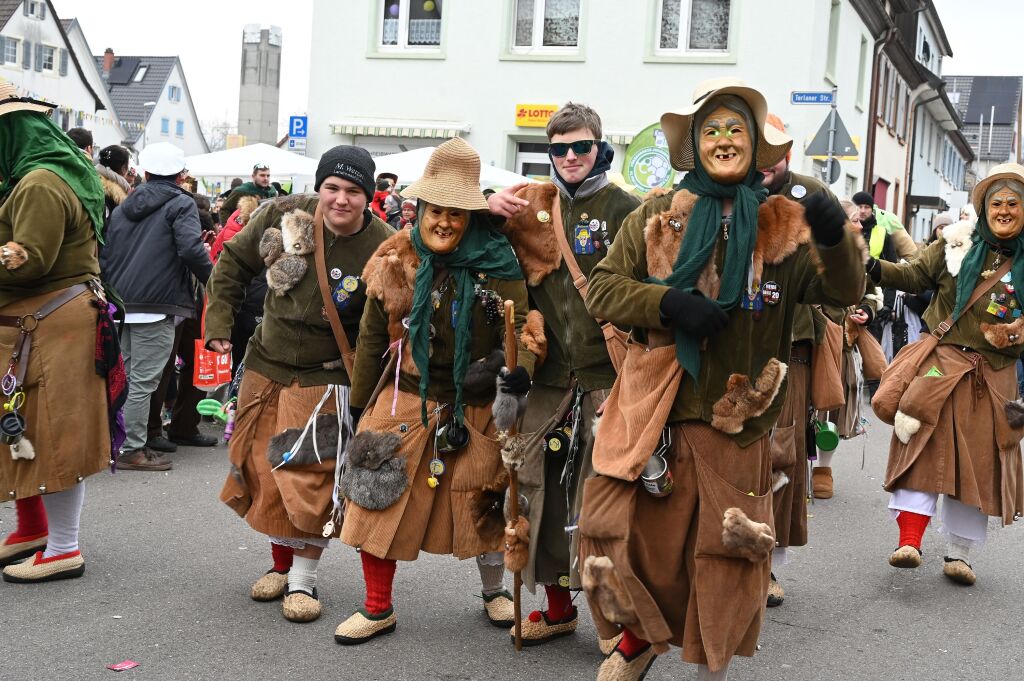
{"x":108,"y":62}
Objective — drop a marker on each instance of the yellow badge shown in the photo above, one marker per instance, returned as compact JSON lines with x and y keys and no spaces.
{"x":563,"y":581}
{"x":350,"y":283}
{"x":543,"y":216}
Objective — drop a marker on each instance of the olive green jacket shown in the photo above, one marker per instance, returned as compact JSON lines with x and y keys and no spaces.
{"x":618,"y":292}
{"x":576,"y":346}
{"x":294,"y":340}
{"x":929,"y":272}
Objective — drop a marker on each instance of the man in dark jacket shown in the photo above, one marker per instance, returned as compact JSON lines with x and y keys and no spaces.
{"x":153,"y":251}
{"x":260,"y":187}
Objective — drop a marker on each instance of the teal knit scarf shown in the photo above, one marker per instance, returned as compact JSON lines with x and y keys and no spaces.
{"x":481,"y":250}
{"x":970,"y":268}
{"x":699,"y":241}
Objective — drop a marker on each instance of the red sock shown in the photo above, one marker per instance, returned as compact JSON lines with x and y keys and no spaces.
{"x":559,"y":601}
{"x":630,"y":645}
{"x":379,"y":575}
{"x":31,"y":518}
{"x":282,"y":556}
{"x":912,"y":527}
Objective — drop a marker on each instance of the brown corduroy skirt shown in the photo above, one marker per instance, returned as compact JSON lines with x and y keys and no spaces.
{"x":65,"y":400}
{"x":789,"y":455}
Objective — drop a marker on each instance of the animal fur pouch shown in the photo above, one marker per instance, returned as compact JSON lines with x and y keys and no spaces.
{"x":375,"y":476}
{"x":283,"y":250}
{"x":326,"y":443}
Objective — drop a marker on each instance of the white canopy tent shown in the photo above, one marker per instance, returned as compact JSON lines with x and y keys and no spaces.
{"x":409,"y":166}
{"x":239,"y":162}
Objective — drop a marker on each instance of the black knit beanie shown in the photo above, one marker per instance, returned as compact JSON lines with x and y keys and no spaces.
{"x":349,"y":163}
{"x":863,"y":199}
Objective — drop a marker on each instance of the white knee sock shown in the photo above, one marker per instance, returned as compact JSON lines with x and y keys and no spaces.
{"x":825,"y":458}
{"x":959,"y":549}
{"x":63,"y":511}
{"x":705,"y":674}
{"x":492,"y":572}
{"x":302,"y":576}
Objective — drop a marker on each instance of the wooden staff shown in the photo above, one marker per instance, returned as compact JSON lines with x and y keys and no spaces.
{"x":513,"y":475}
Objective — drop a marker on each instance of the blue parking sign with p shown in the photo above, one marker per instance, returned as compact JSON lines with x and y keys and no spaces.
{"x":297,"y":126}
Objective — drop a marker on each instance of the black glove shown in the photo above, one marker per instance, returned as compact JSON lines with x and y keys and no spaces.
{"x":884,"y":314}
{"x":516,"y":382}
{"x":826,"y":218}
{"x":694,"y":314}
{"x":874,"y":270}
{"x":356,"y":412}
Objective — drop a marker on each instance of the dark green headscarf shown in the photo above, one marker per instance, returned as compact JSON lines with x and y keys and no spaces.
{"x":481,"y":250}
{"x":30,"y":141}
{"x":970,"y":269}
{"x":701,"y":235}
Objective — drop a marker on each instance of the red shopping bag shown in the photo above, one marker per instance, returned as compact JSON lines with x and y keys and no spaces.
{"x":212,"y":369}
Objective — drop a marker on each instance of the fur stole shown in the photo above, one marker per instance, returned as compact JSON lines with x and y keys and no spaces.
{"x":115,"y":187}
{"x":534,"y":242}
{"x":958,"y":241}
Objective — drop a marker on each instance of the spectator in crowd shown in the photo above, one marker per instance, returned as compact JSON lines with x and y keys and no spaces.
{"x":391,"y":179}
{"x":393,"y":210}
{"x":82,"y":138}
{"x":113,"y":166}
{"x":408,"y":214}
{"x":938,"y":222}
{"x":259,"y":187}
{"x":380,"y":195}
{"x":153,"y":252}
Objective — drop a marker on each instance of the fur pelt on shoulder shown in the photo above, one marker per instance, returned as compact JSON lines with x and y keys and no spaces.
{"x":390,"y":275}
{"x":534,"y":242}
{"x":1003,"y":336}
{"x":958,"y":241}
{"x":115,"y":187}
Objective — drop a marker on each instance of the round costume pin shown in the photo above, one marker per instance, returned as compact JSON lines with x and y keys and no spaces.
{"x":436,"y":467}
{"x":543,"y":216}
{"x":350,"y":283}
{"x":798,"y":191}
{"x":771,"y":292}
{"x":335,"y":273}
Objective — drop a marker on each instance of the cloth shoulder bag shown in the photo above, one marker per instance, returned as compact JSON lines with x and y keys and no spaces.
{"x":827,"y":368}
{"x":907,"y":362}
{"x":871,"y":354}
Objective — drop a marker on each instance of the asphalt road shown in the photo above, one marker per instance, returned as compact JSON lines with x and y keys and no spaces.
{"x":168,"y":570}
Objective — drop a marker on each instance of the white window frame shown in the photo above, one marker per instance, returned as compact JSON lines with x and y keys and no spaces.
{"x":165,"y":131}
{"x":537,"y":39}
{"x":140,"y":73}
{"x":511,"y":52}
{"x":179,"y":124}
{"x":19,"y":45}
{"x":33,"y":8}
{"x":682,"y":54}
{"x":379,"y":49}
{"x":55,"y":59}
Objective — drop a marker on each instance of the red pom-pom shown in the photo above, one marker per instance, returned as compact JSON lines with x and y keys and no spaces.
{"x":535,"y":616}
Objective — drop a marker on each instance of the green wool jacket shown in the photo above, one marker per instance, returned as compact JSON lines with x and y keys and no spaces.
{"x":619,"y":294}
{"x":294,"y":341}
{"x":43,"y":215}
{"x":928,"y":272}
{"x":246,"y":189}
{"x":576,"y":346}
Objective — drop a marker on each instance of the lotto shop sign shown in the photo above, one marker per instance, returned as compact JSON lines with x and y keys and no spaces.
{"x":534,"y":115}
{"x":646,"y":165}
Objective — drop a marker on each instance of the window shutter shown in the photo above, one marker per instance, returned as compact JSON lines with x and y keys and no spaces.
{"x":3,"y":50}
{"x":24,"y":7}
{"x":26,"y":55}
{"x":63,"y":62}
{"x":39,"y":57}
{"x":42,"y":9}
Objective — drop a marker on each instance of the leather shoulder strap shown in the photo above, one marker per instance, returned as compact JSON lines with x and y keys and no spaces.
{"x":325,"y":292}
{"x":579,"y":280}
{"x":980,"y":290}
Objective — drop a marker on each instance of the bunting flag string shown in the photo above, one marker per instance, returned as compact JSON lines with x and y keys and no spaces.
{"x":80,"y":117}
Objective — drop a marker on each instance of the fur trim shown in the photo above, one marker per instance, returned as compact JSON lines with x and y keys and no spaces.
{"x":271,"y":245}
{"x":375,"y":476}
{"x":286,"y":204}
{"x":779,"y":480}
{"x":851,"y":331}
{"x":297,"y":232}
{"x":1015,"y":413}
{"x":246,"y":206}
{"x":513,"y":450}
{"x":23,"y":449}
{"x":781,"y":229}
{"x":905,"y":426}
{"x":478,"y":386}
{"x":326,"y":443}
{"x":1003,"y":336}
{"x":285,"y":273}
{"x":18,"y":255}
{"x":655,"y":193}
{"x":533,"y":337}
{"x":390,"y":274}
{"x":664,"y":232}
{"x":115,"y":187}
{"x":517,"y":544}
{"x":750,"y":540}
{"x":958,"y":241}
{"x":507,"y":408}
{"x":534,"y":241}
{"x":743,"y":400}
{"x":606,"y":592}
{"x":486,"y":507}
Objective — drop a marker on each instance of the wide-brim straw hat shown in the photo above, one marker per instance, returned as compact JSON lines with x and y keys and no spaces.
{"x":10,"y":101}
{"x":772,"y":144}
{"x":451,"y":178}
{"x":1003,"y":171}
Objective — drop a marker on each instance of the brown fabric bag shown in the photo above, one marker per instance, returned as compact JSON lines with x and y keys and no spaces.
{"x":615,"y":339}
{"x":348,"y":354}
{"x":907,"y":362}
{"x":872,"y":355}
{"x":827,"y":369}
{"x":637,"y":410}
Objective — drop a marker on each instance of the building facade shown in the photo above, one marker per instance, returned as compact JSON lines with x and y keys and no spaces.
{"x":990,"y":107}
{"x":259,"y":84}
{"x":105,"y":125}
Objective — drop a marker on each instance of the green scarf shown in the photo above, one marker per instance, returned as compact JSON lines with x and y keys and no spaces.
{"x":970,"y":268}
{"x":699,"y":243}
{"x":481,"y":250}
{"x":30,"y":141}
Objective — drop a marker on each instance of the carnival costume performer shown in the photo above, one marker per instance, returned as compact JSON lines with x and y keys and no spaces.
{"x":720,"y":269}
{"x":284,"y":470}
{"x":56,"y":337}
{"x":425,"y":471}
{"x":957,"y":427}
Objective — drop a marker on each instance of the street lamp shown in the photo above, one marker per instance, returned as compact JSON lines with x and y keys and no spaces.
{"x":148,"y":107}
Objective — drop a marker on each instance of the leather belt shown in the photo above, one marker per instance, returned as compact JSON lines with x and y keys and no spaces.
{"x":28,"y":323}
{"x":800,"y":352}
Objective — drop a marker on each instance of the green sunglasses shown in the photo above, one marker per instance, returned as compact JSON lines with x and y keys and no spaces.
{"x":579,"y":147}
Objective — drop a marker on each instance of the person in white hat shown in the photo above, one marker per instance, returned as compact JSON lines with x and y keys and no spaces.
{"x":708,"y":278}
{"x":957,"y":431}
{"x":51,"y":310}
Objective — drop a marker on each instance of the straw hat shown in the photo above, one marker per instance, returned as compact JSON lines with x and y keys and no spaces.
{"x":1003,"y":171}
{"x":451,"y":178}
{"x":772,"y":144}
{"x":10,"y":101}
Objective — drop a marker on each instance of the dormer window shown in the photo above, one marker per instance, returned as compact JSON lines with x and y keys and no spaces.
{"x":140,"y":74}
{"x":35,"y":8}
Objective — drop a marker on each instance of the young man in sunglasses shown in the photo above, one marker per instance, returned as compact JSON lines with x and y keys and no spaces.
{"x":577,"y":368}
{"x":259,"y":187}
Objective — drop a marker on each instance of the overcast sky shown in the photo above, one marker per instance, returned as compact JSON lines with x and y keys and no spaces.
{"x":207,"y":35}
